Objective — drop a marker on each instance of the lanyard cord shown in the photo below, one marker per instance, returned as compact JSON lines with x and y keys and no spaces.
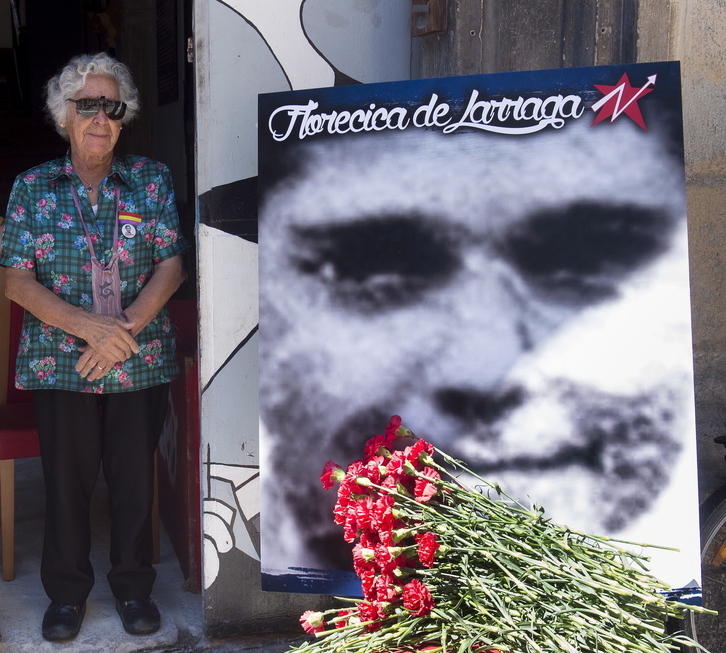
{"x":106,"y":287}
{"x":117,"y":192}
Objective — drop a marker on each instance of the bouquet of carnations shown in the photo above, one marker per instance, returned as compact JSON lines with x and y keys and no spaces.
{"x":448,"y":568}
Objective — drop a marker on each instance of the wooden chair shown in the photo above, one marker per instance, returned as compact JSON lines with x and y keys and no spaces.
{"x":18,"y":439}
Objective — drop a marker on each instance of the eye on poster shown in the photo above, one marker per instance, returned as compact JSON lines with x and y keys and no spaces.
{"x":502,"y":261}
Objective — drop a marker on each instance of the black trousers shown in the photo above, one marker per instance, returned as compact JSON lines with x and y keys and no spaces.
{"x":79,"y":432}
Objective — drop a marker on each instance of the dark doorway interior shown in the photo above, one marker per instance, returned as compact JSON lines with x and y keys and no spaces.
{"x":36,"y":39}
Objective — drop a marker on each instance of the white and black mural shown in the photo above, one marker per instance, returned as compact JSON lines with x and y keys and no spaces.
{"x":244,"y":48}
{"x":502,"y":261}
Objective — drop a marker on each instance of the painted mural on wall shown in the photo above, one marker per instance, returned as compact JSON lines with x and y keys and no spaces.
{"x":231,"y":512}
{"x":502,"y":261}
{"x":255,"y":47}
{"x":280,"y":24}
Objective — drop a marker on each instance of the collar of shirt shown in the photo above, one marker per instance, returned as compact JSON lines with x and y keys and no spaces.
{"x":64,"y":168}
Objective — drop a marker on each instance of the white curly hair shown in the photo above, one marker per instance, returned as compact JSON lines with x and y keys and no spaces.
{"x":72,"y":78}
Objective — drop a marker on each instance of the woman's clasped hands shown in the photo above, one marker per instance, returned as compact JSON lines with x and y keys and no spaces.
{"x":109,"y":341}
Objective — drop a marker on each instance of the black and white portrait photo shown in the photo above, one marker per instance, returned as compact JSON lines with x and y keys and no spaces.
{"x":502,"y":261}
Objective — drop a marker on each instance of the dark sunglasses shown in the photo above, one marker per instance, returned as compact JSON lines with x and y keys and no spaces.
{"x":88,"y":107}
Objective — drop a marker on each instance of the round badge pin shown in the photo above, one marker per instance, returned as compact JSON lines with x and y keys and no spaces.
{"x":128,"y":230}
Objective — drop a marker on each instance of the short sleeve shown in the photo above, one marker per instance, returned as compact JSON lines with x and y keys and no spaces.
{"x":168,"y":239}
{"x":17,"y":247}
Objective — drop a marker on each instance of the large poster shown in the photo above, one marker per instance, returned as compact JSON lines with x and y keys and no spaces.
{"x":502,"y":260}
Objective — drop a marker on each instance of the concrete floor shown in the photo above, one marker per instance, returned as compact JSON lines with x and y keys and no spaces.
{"x":23,"y":601}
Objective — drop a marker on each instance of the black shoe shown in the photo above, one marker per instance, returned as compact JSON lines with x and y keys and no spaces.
{"x":62,"y":622}
{"x":139,"y":616}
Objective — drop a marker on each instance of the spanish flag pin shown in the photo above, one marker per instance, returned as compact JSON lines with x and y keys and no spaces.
{"x":129,"y":218}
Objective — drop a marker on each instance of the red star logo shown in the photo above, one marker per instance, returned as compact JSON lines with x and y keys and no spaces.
{"x":621,"y":98}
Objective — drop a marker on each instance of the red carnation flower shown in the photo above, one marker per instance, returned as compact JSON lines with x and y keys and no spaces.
{"x":394,"y":468}
{"x":340,"y":512}
{"x":386,"y":594}
{"x":364,"y":513}
{"x":343,"y":622}
{"x":355,"y":470}
{"x":373,"y":445}
{"x":390,"y":484}
{"x":391,"y":430}
{"x":425,"y":490}
{"x":385,"y":561}
{"x":419,"y":447}
{"x":386,"y":537}
{"x":369,"y":612}
{"x":417,"y":599}
{"x":382,"y":514}
{"x":330,"y":474}
{"x":427,"y":547}
{"x":312,"y":622}
{"x":350,"y":528}
{"x":368,"y":581}
{"x":372,"y":471}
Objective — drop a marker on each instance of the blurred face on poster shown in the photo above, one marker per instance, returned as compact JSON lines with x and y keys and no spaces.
{"x":522,"y":303}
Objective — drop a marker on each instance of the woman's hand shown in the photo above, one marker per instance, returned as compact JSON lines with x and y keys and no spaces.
{"x":110,"y":337}
{"x":92,"y":365}
{"x":109,"y":341}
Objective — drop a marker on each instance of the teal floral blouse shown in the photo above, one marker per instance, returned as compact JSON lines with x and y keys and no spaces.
{"x":44,"y":234}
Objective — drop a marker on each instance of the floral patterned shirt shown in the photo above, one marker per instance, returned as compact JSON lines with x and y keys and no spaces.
{"x":44,"y":234}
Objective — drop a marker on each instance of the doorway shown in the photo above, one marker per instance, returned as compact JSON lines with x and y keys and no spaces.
{"x":36,"y":40}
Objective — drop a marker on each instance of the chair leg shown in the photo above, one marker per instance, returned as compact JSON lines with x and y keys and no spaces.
{"x":7,"y":513}
{"x":155,"y":511}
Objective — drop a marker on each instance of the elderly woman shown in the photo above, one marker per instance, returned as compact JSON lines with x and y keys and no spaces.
{"x":93,"y":252}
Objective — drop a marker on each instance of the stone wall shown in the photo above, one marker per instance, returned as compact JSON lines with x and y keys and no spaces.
{"x":696,"y":37}
{"x":503,"y":35}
